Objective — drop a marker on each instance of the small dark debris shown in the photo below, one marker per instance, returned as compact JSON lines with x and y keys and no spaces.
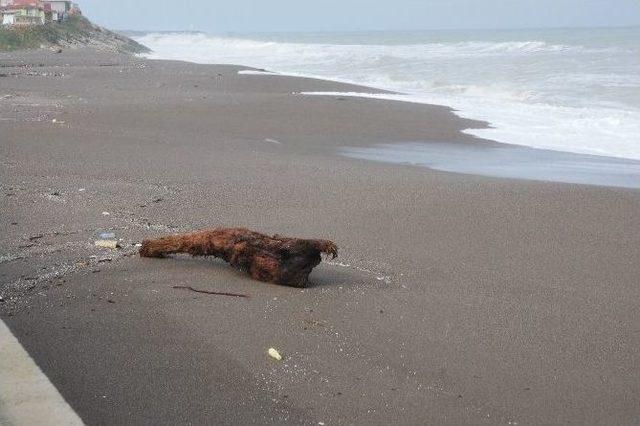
{"x":459,"y":396}
{"x":36,"y":237}
{"x":14,"y":223}
{"x":213,"y":293}
{"x":95,"y":271}
{"x":24,"y":246}
{"x":158,"y":200}
{"x":111,"y":301}
{"x":56,"y":194}
{"x":382,"y":311}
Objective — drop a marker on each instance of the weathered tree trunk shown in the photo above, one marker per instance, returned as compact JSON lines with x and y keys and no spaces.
{"x":274,"y":259}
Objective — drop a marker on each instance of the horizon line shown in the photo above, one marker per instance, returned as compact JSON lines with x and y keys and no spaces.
{"x":374,"y":30}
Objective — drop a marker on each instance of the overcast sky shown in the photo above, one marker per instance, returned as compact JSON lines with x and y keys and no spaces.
{"x":321,"y":15}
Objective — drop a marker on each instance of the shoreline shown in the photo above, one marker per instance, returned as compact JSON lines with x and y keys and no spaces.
{"x":547,"y":165}
{"x":527,"y":162}
{"x":456,"y":299}
{"x":381,"y":94}
{"x":535,"y":112}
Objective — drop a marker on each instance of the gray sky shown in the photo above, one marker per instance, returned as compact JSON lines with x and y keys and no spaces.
{"x":321,"y":15}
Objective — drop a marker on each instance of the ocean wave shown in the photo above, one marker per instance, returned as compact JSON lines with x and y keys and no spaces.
{"x":160,"y":41}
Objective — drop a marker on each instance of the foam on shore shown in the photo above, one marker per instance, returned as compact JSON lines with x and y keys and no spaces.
{"x":564,"y":129}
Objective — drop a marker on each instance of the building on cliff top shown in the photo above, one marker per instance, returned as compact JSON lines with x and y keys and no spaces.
{"x":23,"y":12}
{"x":35,"y":12}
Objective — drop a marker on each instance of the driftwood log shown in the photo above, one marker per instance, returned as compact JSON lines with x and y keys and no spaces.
{"x":275,"y":259}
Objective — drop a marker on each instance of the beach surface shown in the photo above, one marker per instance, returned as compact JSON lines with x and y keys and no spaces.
{"x":456,"y":299}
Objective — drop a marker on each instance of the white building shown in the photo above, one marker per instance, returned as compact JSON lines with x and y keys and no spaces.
{"x":23,"y":13}
{"x":8,"y":17}
{"x":36,"y":12}
{"x":59,"y":6}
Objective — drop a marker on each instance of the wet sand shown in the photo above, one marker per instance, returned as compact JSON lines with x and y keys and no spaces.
{"x":456,"y":299}
{"x":509,"y":161}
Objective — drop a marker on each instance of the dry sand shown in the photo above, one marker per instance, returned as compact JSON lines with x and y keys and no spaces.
{"x":456,"y":299}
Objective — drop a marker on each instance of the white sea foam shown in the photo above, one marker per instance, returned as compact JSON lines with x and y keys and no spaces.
{"x":256,"y":72}
{"x":547,"y":126}
{"x":573,"y":91}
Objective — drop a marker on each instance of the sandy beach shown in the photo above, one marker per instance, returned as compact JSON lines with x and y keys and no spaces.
{"x":456,"y":298}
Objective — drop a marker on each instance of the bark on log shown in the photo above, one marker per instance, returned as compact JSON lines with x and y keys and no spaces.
{"x":275,"y":259}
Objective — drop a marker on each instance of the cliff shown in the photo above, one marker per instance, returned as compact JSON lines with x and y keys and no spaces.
{"x":77,"y":31}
